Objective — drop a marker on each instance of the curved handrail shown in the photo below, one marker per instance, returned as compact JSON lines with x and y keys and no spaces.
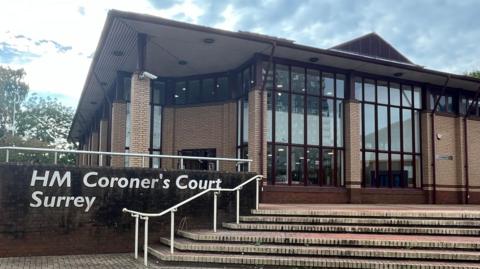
{"x":145,"y":216}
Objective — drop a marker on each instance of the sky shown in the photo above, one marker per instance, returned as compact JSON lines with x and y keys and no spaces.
{"x":54,"y":40}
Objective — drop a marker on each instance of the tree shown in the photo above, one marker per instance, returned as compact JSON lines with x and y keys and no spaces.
{"x":41,"y":122}
{"x":45,"y":119}
{"x":13,"y":91}
{"x":475,"y":74}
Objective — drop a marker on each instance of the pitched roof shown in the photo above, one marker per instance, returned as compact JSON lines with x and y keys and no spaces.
{"x":372,"y":45}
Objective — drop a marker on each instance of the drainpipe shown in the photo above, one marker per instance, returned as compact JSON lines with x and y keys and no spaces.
{"x":262,"y":92}
{"x":465,"y":137}
{"x":434,"y":173}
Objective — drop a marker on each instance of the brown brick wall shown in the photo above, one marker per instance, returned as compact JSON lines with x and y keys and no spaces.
{"x":473,"y":136}
{"x":353,"y":168}
{"x":140,"y":119}
{"x":119,"y":115}
{"x":200,"y":127}
{"x":103,"y":138}
{"x":255,"y":131}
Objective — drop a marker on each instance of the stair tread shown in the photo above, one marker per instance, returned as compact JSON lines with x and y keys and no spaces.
{"x":162,"y":252}
{"x":351,"y":228}
{"x":360,"y":220}
{"x":341,"y":236}
{"x":183,"y":242}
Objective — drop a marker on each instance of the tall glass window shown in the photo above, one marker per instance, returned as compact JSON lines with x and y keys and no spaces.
{"x":305,"y":126}
{"x":390,"y":133}
{"x":158,"y":100}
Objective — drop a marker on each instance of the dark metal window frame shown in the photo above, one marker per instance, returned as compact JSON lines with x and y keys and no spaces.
{"x":273,"y":144}
{"x":414,"y":154}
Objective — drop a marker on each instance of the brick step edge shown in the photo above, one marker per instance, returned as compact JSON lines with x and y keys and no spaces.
{"x":363,"y":221}
{"x":352,"y":252}
{"x":233,"y":237}
{"x":378,"y":214}
{"x":352,"y":229}
{"x":163,"y":254}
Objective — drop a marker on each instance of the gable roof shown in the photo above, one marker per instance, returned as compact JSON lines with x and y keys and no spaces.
{"x":372,"y":45}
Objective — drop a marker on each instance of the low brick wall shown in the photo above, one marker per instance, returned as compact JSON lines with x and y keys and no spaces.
{"x":29,"y":226}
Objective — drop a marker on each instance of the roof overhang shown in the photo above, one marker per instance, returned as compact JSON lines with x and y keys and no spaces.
{"x":169,"y":42}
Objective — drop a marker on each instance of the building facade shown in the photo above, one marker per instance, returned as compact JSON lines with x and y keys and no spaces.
{"x":356,"y":123}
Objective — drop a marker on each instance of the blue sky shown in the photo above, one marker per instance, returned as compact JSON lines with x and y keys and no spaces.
{"x":54,"y":40}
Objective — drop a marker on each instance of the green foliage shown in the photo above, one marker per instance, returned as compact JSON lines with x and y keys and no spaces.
{"x":41,"y":122}
{"x":475,"y":74}
{"x":13,"y":91}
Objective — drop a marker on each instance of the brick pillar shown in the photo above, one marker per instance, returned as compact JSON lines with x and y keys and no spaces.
{"x":459,"y":158}
{"x":229,"y":138}
{"x":119,"y":117}
{"x":140,"y":119}
{"x":353,"y":166}
{"x":255,"y":131}
{"x":427,"y":171}
{"x":94,"y":147}
{"x":103,"y":138}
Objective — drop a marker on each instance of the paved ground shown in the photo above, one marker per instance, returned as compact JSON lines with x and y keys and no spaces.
{"x":75,"y":261}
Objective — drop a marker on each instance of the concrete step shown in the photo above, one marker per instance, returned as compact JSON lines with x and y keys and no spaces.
{"x":336,"y":239}
{"x":183,"y":244}
{"x":352,"y":229}
{"x":162,"y":253}
{"x":362,"y":221}
{"x":369,"y":213}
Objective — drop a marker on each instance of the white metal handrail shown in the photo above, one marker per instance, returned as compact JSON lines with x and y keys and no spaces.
{"x":145,"y":216}
{"x":124,"y":154}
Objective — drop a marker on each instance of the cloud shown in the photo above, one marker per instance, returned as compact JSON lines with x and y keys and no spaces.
{"x":54,"y":40}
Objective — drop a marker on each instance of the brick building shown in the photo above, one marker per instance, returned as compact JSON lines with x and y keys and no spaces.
{"x":356,"y":123}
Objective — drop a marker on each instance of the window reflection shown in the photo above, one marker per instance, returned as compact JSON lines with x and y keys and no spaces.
{"x":281,"y":153}
{"x":313,"y":120}
{"x":281,"y":117}
{"x":313,"y":82}
{"x":298,"y":79}
{"x":382,"y":92}
{"x":370,"y":167}
{"x":382,"y":127}
{"x":297,"y":119}
{"x":369,"y":90}
{"x":297,"y":161}
{"x":327,"y":166}
{"x":282,"y":77}
{"x":313,"y":164}
{"x":369,"y":123}
{"x":328,"y":84}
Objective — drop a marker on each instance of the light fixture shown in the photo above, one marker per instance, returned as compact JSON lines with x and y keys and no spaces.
{"x":279,"y":94}
{"x":313,"y":59}
{"x":182,"y":62}
{"x":398,"y":74}
{"x":208,"y":40}
{"x":118,"y":53}
{"x":279,"y":86}
{"x":329,"y":93}
{"x":176,"y":96}
{"x":281,"y":150}
{"x":184,"y":89}
{"x":330,"y":153}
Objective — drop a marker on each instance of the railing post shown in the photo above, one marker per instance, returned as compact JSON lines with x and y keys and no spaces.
{"x":145,"y":243}
{"x":218,"y":165}
{"x":136,"y":237}
{"x":143,"y":161}
{"x":172,"y":230}
{"x":7,"y":155}
{"x":100,"y":160}
{"x":215,"y":194}
{"x":238,"y":206}
{"x":249,"y":164}
{"x":55,"y":157}
{"x":181,"y":164}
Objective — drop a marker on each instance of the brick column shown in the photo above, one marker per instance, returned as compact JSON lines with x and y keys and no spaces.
{"x":459,"y":158}
{"x":255,"y":131}
{"x":103,"y":138}
{"x":94,"y":147}
{"x":353,"y":167}
{"x":140,"y":119}
{"x":119,"y":117}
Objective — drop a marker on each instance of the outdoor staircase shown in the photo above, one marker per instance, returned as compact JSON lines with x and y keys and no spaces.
{"x":334,"y":238}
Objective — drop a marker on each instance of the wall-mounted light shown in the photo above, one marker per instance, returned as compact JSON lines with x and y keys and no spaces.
{"x":313,"y":59}
{"x":439,"y":136}
{"x":209,"y":40}
{"x":146,"y":74}
{"x":398,"y":74}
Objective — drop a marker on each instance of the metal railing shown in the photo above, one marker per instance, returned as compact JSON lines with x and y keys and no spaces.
{"x":144,"y":156}
{"x":145,"y":216}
